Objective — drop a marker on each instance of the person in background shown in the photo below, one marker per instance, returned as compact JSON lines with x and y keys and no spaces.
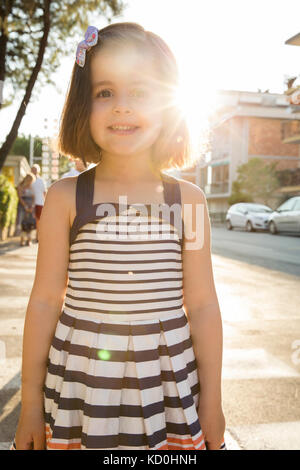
{"x":75,"y":171}
{"x":39,"y":190}
{"x":26,"y":208}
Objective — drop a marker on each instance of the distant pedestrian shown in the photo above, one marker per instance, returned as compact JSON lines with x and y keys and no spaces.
{"x":26,"y":209}
{"x":39,"y":189}
{"x":76,"y":169}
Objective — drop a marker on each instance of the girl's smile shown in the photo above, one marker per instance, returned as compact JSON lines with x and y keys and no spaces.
{"x":124,"y":130}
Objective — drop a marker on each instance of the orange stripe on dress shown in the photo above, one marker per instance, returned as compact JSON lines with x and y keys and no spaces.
{"x":72,"y":445}
{"x":171,"y":444}
{"x":186,"y":441}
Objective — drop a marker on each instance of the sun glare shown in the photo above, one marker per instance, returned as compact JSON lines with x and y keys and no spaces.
{"x":196,"y":101}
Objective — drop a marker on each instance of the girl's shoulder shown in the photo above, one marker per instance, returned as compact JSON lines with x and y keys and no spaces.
{"x":64,"y":192}
{"x":65,"y":186}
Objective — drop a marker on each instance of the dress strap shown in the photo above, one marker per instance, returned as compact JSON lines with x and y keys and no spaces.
{"x":85,"y":190}
{"x":172,"y":194}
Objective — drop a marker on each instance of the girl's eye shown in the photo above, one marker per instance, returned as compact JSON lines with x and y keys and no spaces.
{"x":138,"y":92}
{"x":103,"y":93}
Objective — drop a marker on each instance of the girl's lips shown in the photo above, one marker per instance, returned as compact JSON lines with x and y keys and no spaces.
{"x":123,"y":131}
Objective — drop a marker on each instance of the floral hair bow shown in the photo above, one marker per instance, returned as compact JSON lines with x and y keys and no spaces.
{"x":90,"y":40}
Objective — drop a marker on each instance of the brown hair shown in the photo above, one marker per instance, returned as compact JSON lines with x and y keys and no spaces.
{"x":172,"y":148}
{"x":28,"y":177}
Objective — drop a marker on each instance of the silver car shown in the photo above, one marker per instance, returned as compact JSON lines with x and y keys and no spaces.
{"x":248,"y":215}
{"x":286,"y":218}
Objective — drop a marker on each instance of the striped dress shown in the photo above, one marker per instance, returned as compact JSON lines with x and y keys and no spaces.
{"x":121,"y":371}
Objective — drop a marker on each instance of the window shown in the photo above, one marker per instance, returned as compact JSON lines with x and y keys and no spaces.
{"x":297,"y":205}
{"x":287,"y":205}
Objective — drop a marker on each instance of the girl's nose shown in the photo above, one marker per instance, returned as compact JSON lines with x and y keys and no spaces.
{"x":118,"y":109}
{"x":122,"y":107}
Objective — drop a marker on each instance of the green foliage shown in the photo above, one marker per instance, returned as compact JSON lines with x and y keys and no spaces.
{"x":237,"y":195}
{"x":21,"y":146}
{"x":64,"y":164}
{"x":8,"y":202}
{"x":256,"y":181}
{"x":68,"y":22}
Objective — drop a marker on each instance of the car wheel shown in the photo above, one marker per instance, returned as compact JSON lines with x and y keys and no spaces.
{"x":273,"y":228}
{"x":249,"y":227}
{"x":228,"y":225}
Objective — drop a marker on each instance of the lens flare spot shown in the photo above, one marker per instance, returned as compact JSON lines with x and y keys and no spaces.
{"x":104,"y":355}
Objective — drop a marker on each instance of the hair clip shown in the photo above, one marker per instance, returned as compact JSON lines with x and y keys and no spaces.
{"x":90,"y":40}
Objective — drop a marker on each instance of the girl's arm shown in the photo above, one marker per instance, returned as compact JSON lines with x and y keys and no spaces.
{"x":202,"y":308}
{"x":47,"y":295}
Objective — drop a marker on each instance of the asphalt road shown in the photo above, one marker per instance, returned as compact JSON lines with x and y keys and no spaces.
{"x":261,"y":330}
{"x":279,"y":252}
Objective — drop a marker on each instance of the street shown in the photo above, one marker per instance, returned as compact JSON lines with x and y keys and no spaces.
{"x":261,"y":328}
{"x":278,"y":252}
{"x":257,"y":278}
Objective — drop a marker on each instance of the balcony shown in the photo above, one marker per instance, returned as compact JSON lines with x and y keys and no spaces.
{"x":219,"y":187}
{"x":290,"y":132}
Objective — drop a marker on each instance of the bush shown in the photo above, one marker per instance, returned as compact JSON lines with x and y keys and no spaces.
{"x":8,"y":203}
{"x":237,"y":195}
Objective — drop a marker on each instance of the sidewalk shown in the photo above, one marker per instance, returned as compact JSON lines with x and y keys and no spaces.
{"x":12,"y":243}
{"x":260,"y":392}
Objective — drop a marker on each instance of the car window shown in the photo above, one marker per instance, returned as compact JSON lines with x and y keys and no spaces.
{"x":297,"y":205}
{"x":240,"y":208}
{"x":287,"y":205}
{"x":257,"y":208}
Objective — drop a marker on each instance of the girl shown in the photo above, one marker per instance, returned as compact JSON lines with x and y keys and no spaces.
{"x":123,"y":336}
{"x":26,"y":206}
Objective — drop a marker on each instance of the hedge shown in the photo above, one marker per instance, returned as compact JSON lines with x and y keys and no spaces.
{"x":8,"y":203}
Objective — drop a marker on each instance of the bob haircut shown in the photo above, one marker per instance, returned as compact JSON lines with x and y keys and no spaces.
{"x":172,"y":148}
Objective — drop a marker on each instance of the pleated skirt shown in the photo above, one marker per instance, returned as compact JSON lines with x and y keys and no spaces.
{"x":122,"y":382}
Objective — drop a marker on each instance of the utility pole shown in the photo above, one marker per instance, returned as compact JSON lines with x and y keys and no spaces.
{"x":31,"y":146}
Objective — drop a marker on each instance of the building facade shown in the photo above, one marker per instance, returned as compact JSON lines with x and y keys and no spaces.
{"x":245,"y":125}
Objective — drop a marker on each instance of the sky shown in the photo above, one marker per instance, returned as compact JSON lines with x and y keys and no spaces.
{"x":218,"y":44}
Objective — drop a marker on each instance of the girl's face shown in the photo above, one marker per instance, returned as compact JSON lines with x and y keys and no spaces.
{"x":125,"y":92}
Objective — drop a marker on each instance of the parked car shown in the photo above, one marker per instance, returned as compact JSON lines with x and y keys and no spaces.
{"x":286,"y":218}
{"x":248,"y":215}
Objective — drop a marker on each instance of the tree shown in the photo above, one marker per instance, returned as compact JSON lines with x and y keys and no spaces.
{"x":237,"y":194}
{"x":256,"y":181}
{"x":21,"y":146}
{"x":34,"y":35}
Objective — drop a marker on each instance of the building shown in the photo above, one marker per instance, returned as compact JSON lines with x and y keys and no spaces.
{"x":15,"y":168}
{"x":245,"y":125}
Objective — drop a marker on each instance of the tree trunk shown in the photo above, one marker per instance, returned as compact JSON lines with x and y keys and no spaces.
{"x":12,"y":135}
{"x":5,"y":10}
